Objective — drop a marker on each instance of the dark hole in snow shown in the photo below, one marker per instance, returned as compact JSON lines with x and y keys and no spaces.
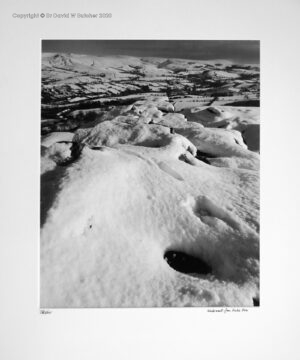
{"x":187,"y":264}
{"x":202,"y":157}
{"x":100,"y":148}
{"x":243,"y":136}
{"x":183,"y":158}
{"x":205,"y":154}
{"x":213,"y":111}
{"x":255,"y":301}
{"x":164,"y":111}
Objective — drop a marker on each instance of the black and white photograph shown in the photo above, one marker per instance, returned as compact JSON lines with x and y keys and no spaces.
{"x":150,"y":173}
{"x":149,"y":180}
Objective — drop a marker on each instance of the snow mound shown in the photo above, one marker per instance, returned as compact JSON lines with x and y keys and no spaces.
{"x":120,"y":210}
{"x":212,"y":114}
{"x":218,"y":143}
{"x":219,"y":74}
{"x":54,"y":137}
{"x":148,"y":208}
{"x":172,"y":120}
{"x":122,"y":131}
{"x":155,"y":103}
{"x":222,"y":116}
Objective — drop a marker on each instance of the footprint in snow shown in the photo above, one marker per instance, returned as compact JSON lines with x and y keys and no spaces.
{"x":208,"y":212}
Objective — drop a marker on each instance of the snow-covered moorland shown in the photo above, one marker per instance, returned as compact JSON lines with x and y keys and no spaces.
{"x":143,"y":204}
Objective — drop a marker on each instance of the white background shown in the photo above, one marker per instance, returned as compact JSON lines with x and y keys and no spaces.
{"x":268,"y":332}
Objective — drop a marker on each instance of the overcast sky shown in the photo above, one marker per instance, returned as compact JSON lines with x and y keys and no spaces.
{"x":240,"y":51}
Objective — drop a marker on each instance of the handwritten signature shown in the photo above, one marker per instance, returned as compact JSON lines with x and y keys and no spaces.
{"x":228,"y":310}
{"x":45,"y":312}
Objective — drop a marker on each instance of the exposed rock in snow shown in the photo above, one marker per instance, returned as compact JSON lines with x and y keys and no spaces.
{"x":251,"y":135}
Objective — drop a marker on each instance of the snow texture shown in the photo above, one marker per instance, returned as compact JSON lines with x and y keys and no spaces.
{"x":146,"y":181}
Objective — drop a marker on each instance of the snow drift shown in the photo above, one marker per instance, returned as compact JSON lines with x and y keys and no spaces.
{"x":140,"y":189}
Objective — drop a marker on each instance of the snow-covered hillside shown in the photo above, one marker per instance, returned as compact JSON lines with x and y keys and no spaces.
{"x":144,"y":204}
{"x":70,"y":79}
